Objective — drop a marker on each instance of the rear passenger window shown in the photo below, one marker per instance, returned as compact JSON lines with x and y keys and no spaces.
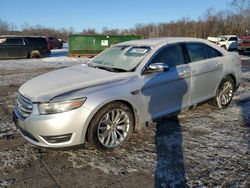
{"x":199,"y":51}
{"x":14,"y":41}
{"x":171,"y":55}
{"x":52,"y":38}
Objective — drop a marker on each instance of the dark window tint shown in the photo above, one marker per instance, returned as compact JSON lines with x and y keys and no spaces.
{"x":233,"y":39}
{"x":36,"y":41}
{"x":14,"y":41}
{"x":200,"y":51}
{"x":52,"y":38}
{"x":171,"y":55}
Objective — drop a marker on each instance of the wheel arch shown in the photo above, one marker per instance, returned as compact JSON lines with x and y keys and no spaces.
{"x":134,"y":111}
{"x":232,"y":76}
{"x":215,"y":99}
{"x":234,"y":80}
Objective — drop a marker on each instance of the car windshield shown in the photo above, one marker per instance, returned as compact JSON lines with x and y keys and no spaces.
{"x":120,"y":58}
{"x":224,"y":38}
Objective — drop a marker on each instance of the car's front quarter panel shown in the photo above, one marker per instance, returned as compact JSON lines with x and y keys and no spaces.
{"x":128,"y":91}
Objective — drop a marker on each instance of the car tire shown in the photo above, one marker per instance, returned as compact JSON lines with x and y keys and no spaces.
{"x":34,"y":54}
{"x":241,"y":52}
{"x":224,"y":47}
{"x":224,"y":93}
{"x":111,"y":126}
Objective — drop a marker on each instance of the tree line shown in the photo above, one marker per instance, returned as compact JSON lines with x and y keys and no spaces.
{"x":235,"y":20}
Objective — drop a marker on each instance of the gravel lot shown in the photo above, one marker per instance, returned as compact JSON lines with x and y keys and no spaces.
{"x":202,"y":147}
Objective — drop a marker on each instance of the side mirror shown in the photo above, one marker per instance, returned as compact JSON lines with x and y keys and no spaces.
{"x":157,"y":67}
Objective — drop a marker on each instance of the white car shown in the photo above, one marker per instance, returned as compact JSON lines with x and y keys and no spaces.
{"x":228,"y":42}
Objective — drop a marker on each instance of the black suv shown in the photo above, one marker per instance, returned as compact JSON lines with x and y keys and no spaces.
{"x":23,"y":47}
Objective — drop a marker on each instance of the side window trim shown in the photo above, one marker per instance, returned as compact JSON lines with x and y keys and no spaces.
{"x":167,"y":47}
{"x":151,"y":58}
{"x":185,"y":53}
{"x":20,"y":42}
{"x":206,"y":46}
{"x":159,"y":50}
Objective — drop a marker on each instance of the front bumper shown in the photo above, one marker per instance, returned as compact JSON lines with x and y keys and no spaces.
{"x":55,"y":130}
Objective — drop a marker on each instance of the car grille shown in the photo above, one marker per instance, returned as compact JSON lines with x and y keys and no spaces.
{"x":23,"y":106}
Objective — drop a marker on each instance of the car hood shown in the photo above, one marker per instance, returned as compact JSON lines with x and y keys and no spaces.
{"x":47,"y":86}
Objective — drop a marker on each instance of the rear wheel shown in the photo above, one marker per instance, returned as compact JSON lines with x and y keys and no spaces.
{"x":241,"y":52}
{"x":224,"y":93}
{"x":224,"y":47}
{"x":111,"y":126}
{"x":34,"y":54}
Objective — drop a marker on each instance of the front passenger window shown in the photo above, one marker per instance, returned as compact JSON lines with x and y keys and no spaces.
{"x":171,"y":55}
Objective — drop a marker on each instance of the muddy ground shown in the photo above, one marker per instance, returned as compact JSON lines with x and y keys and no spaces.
{"x":201,"y":147}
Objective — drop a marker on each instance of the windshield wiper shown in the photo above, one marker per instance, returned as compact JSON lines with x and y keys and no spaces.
{"x":106,"y":68}
{"x":119,"y":69}
{"x":110,"y":69}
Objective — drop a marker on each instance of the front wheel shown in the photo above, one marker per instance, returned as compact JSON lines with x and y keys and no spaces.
{"x":224,"y":93}
{"x":111,"y":126}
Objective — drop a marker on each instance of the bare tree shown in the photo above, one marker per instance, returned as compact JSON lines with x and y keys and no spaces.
{"x":211,"y":23}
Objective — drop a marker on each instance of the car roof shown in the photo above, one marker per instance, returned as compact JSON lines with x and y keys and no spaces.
{"x":227,"y":36}
{"x":20,"y":36}
{"x":9,"y":36}
{"x":162,"y":41}
{"x":158,"y":41}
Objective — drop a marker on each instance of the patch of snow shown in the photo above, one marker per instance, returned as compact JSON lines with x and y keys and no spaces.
{"x":15,"y":159}
{"x":7,"y":129}
{"x":58,"y":58}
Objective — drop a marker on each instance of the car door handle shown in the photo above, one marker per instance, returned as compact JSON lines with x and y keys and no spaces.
{"x":218,"y":65}
{"x":184,"y":73}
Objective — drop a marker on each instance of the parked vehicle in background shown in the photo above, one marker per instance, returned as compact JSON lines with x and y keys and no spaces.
{"x":22,"y":47}
{"x":214,"y":39}
{"x":228,"y":42}
{"x":37,"y":46}
{"x":54,"y":42}
{"x":13,"y":47}
{"x":244,"y":44}
{"x":122,"y":89}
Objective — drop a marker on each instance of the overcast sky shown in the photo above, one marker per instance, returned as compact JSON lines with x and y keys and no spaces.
{"x":82,"y":14}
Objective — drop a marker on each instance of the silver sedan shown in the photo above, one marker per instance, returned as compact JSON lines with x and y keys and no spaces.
{"x":122,"y":89}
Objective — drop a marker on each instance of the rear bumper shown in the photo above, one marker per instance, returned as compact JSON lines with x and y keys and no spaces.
{"x":243,"y":48}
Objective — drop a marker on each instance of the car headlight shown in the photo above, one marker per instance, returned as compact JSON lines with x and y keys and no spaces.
{"x":63,"y":106}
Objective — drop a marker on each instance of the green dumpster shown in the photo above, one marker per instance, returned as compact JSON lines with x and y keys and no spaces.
{"x":91,"y":45}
